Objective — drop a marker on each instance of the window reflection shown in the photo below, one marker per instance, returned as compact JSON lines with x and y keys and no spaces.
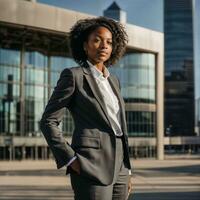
{"x":36,"y":59}
{"x":9,"y":108}
{"x":141,"y":123}
{"x":136,"y":72}
{"x":7,"y":70}
{"x":9,"y":125}
{"x":58,"y":63}
{"x":54,"y":78}
{"x":36,"y":90}
{"x":35,"y":76}
{"x":9,"y":57}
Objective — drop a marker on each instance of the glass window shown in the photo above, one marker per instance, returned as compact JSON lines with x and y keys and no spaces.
{"x":9,"y":57}
{"x":36,"y":59}
{"x":136,"y":72}
{"x":141,"y":124}
{"x":7,"y":70}
{"x":58,"y":63}
{"x":35,"y":76}
{"x":36,"y":97}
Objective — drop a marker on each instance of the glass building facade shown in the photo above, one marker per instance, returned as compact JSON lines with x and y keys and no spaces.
{"x":30,"y":65}
{"x":9,"y":107}
{"x":38,"y":75}
{"x":29,"y":69}
{"x":179,"y":67}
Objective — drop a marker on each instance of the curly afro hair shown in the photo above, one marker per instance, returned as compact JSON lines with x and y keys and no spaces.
{"x":83,"y":28}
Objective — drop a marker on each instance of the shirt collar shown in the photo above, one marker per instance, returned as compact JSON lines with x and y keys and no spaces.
{"x":97,"y":73}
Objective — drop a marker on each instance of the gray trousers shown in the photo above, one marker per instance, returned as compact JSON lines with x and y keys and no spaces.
{"x":84,"y":189}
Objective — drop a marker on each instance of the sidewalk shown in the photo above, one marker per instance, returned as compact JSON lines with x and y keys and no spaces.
{"x":150,"y":177}
{"x":144,"y":171}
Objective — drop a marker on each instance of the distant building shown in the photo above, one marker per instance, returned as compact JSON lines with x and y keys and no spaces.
{"x":115,"y":12}
{"x":179,"y":67}
{"x":182,"y":75}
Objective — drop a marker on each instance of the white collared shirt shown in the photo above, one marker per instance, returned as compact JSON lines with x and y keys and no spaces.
{"x":110,"y":99}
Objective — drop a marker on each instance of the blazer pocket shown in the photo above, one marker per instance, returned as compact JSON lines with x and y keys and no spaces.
{"x":87,"y":142}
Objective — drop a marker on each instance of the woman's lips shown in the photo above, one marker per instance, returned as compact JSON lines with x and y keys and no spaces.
{"x":102,"y":53}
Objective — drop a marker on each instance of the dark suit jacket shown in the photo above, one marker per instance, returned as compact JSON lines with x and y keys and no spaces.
{"x":93,"y":140}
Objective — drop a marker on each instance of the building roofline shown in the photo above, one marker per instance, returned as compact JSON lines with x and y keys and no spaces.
{"x":50,"y":18}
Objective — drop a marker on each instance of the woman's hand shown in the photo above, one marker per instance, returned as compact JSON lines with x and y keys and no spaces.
{"x":75,"y":165}
{"x":130,"y":184}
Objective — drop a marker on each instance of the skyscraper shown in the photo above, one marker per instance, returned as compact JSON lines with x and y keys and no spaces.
{"x":179,"y":68}
{"x":115,"y":12}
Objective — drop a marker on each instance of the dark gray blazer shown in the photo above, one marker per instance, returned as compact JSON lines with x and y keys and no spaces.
{"x":93,"y":140}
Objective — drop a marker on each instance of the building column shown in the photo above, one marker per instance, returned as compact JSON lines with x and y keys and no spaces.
{"x":22,"y":89}
{"x":160,"y":106}
{"x":49,"y":75}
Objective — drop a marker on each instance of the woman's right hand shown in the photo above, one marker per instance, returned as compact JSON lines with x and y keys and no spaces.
{"x":75,"y":165}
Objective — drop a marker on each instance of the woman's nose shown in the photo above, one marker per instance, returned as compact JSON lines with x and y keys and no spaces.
{"x":104,"y":45}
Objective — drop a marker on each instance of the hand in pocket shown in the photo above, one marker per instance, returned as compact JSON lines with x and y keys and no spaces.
{"x":75,"y":165}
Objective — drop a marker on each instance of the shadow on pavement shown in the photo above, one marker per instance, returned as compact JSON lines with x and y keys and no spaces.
{"x":166,"y":196}
{"x":190,"y":170}
{"x":41,"y":172}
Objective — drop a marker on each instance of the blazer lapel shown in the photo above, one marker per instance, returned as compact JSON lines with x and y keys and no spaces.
{"x":97,"y":94}
{"x":118,"y":95}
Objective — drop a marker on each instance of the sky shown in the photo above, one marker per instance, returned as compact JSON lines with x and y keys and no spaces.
{"x":145,"y":13}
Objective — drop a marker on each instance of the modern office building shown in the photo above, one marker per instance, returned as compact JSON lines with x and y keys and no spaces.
{"x":182,"y":74}
{"x":34,"y":50}
{"x":179,"y":67}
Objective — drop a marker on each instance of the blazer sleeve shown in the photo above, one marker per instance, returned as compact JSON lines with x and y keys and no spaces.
{"x":53,"y":115}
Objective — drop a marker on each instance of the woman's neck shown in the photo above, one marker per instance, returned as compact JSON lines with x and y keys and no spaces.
{"x":100,"y":66}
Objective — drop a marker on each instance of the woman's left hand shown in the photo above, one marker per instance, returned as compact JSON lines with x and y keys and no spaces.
{"x":130,"y":184}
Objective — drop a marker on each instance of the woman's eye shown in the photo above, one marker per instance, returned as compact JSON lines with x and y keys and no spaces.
{"x":110,"y":43}
{"x":97,"y":40}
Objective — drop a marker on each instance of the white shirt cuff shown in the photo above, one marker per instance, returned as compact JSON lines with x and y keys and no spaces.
{"x":72,"y":160}
{"x":129,"y":172}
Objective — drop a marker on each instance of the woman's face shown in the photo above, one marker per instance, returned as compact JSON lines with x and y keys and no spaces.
{"x":98,"y":47}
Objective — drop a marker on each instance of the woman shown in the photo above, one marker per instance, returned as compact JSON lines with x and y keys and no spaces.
{"x":97,"y":159}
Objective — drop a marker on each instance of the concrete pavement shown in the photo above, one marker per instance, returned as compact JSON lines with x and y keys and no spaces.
{"x":39,"y":180}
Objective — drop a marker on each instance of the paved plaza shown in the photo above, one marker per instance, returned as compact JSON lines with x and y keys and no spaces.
{"x":154,"y":180}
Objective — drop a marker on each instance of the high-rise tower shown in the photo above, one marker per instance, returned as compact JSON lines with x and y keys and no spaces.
{"x":115,"y":12}
{"x":179,"y":67}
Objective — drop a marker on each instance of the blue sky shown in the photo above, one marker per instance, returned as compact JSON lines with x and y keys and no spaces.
{"x":146,"y":13}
